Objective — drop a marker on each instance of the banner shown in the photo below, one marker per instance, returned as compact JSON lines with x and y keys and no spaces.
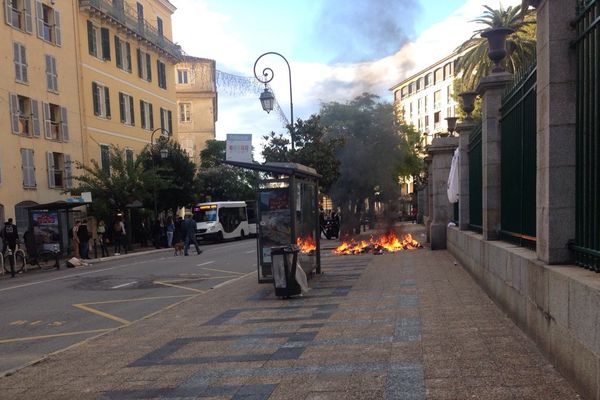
{"x":239,"y":147}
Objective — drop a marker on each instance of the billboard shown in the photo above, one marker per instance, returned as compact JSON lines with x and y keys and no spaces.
{"x":239,"y":147}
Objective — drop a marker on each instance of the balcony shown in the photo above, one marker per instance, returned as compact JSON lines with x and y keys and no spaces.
{"x":126,"y":18}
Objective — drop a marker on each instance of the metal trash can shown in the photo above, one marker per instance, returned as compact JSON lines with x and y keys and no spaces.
{"x":284,"y":260}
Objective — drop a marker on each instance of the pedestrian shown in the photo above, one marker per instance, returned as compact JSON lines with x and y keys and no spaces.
{"x":415,"y":212}
{"x":170,"y":231}
{"x":84,"y":240}
{"x":189,"y":231}
{"x":75,"y":238}
{"x":178,"y":234}
{"x":119,"y":235}
{"x":156,"y":234}
{"x":101,"y":234}
{"x":143,"y":233}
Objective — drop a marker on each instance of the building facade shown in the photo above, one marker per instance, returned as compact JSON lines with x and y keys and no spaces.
{"x":426,"y":98}
{"x":197,"y":109}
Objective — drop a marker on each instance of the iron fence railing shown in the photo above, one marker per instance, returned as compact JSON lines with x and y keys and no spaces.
{"x":475,"y":181}
{"x":586,"y":245}
{"x":518,"y":160}
{"x":123,"y":14}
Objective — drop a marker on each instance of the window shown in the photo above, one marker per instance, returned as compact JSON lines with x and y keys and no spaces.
{"x":48,"y":23}
{"x":425,"y":104}
{"x":437,"y":99}
{"x":182,"y":76}
{"x":437,"y":121}
{"x":123,"y":54}
{"x":162,"y":74}
{"x":129,"y":156}
{"x":439,"y":76}
{"x":101,"y":100}
{"x":403,"y":92}
{"x":28,"y":168}
{"x":126,"y":109}
{"x":105,"y":158}
{"x":166,"y":120}
{"x":448,"y":94}
{"x":420,"y":84}
{"x":24,"y":116}
{"x":411,"y":88}
{"x":419,"y":102}
{"x":98,"y":41}
{"x":18,"y":14}
{"x":55,"y":122}
{"x":144,"y":65}
{"x":185,"y":110}
{"x":20,"y":60}
{"x":428,"y":79}
{"x":159,"y":26}
{"x":51,"y":74}
{"x":59,"y":170}
{"x":448,"y":70}
{"x":147,"y":116}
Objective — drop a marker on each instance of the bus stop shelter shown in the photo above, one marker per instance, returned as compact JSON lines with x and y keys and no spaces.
{"x":288,"y":213}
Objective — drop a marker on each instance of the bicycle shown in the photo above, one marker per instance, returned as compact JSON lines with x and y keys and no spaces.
{"x":14,"y":260}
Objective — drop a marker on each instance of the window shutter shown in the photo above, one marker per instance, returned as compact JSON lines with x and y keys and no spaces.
{"x":28,"y":168}
{"x":51,"y":180}
{"x":143,"y":114}
{"x":90,"y":32}
{"x":54,"y":74}
{"x":170,"y":115}
{"x":149,"y":66}
{"x":64,"y":124}
{"x":122,"y":107}
{"x":128,"y":55}
{"x":23,"y":63}
{"x":35,"y":117}
{"x":107,"y":101}
{"x":151,"y":116}
{"x":14,"y":113}
{"x":8,"y":12}
{"x":24,"y":167}
{"x":27,"y":12}
{"x":118,"y":55}
{"x":139,"y":63}
{"x":105,"y":34}
{"x":162,"y":118}
{"x":131,"y":110}
{"x":96,"y":98}
{"x":39,"y":13}
{"x":49,"y":72}
{"x":68,"y":171}
{"x":158,"y":74}
{"x":17,"y":61}
{"x":47,"y":121}
{"x":57,"y":35}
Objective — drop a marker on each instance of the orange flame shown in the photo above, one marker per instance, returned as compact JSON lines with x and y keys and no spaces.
{"x":306,"y":244}
{"x":388,"y":242}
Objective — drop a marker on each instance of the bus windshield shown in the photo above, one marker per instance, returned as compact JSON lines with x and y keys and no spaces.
{"x":206,"y":215}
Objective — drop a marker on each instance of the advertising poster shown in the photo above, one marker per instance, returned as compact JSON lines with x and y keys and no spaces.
{"x":275,"y":223}
{"x":46,"y":230}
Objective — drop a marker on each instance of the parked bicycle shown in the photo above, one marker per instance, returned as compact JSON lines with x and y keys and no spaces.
{"x":44,"y":260}
{"x":13,"y":261}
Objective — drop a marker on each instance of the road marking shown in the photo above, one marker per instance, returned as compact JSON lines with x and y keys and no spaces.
{"x":205,"y":263}
{"x":225,"y":271}
{"x":179,"y":296}
{"x":19,"y":322}
{"x":34,"y":323}
{"x":123,"y":285}
{"x":24,"y":339}
{"x":233,"y":280}
{"x":251,"y":251}
{"x":101,"y":313}
{"x":168,"y":283}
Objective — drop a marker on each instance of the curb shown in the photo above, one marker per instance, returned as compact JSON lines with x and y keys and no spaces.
{"x":128,"y":255}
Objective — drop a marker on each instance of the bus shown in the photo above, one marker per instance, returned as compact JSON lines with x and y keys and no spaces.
{"x":252,"y":217}
{"x":221,"y":220}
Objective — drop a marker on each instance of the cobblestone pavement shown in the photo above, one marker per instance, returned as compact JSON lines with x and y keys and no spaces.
{"x":411,"y":325}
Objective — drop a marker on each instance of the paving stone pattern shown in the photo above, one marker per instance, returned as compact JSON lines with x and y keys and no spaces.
{"x":408,"y":326}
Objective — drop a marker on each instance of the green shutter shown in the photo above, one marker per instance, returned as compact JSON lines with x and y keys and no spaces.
{"x":105,"y":34}
{"x":107,"y":101}
{"x":143,"y":114}
{"x":96,"y":98}
{"x":118,"y":55}
{"x":90,"y":32}
{"x":122,"y":107}
{"x":149,"y":66}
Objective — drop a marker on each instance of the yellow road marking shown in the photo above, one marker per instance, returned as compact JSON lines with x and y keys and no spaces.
{"x":178,"y":286}
{"x":34,"y":323}
{"x":137,"y":299}
{"x":227,"y":272}
{"x":101,"y":313}
{"x":24,"y":339}
{"x":19,"y":322}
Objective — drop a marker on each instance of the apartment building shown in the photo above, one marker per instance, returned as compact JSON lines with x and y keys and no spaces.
{"x":127,"y":62}
{"x":425,"y":98}
{"x":39,"y":97}
{"x":196,"y":104}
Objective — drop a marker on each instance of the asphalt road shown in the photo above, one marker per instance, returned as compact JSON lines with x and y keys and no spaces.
{"x":47,"y":311}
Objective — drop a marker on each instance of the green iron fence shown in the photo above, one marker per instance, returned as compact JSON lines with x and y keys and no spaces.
{"x":518,"y":160}
{"x":587,"y":223}
{"x":475,"y":181}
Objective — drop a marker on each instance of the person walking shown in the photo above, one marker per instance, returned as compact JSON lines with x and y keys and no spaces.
{"x":119,"y":236}
{"x":189,"y":231}
{"x":170,"y":228}
{"x":84,"y":240}
{"x":101,"y":234}
{"x":75,"y":238}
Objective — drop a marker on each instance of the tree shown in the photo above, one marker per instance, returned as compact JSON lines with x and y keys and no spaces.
{"x":474,"y":62}
{"x":313,"y":148}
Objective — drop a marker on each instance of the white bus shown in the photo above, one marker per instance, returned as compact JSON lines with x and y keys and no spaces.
{"x":252,"y":217}
{"x":221,"y":220}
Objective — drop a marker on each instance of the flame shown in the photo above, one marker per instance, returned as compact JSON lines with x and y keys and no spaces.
{"x":388,"y":242}
{"x":306,"y":244}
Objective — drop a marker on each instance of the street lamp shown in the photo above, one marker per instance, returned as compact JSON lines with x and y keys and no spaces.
{"x":164,"y":153}
{"x":267,"y":98}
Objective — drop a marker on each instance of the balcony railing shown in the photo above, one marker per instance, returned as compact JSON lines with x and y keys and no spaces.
{"x":126,"y":16}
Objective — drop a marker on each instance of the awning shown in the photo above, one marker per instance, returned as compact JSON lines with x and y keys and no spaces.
{"x":289,"y":169}
{"x":57,"y":205}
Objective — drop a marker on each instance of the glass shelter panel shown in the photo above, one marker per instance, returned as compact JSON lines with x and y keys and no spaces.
{"x":306,"y":224}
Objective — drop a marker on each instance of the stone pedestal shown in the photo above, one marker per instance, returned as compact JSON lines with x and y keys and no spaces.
{"x":491,"y":88}
{"x":464,"y":130}
{"x":440,"y":151}
{"x":427,"y":217}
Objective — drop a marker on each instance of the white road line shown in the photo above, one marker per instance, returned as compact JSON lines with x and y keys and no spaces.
{"x":205,"y":263}
{"x":123,"y":285}
{"x":251,"y":251}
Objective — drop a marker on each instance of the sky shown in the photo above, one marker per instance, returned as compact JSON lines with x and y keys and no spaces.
{"x":336,"y":49}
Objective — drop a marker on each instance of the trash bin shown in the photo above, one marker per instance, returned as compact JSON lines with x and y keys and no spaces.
{"x":284,"y":260}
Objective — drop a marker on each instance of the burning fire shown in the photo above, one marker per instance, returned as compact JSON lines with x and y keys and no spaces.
{"x":306,"y":244}
{"x":387,"y":242}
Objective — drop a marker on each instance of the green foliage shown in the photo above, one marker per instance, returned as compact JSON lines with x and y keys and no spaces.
{"x":213,"y":154}
{"x":474,"y":62}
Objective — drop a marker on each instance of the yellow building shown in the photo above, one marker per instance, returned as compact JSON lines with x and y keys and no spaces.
{"x":40,"y":122}
{"x":196,"y":104}
{"x":127,"y":74}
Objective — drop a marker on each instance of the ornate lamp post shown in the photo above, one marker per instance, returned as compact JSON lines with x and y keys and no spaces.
{"x":267,"y":99}
{"x":164,"y":153}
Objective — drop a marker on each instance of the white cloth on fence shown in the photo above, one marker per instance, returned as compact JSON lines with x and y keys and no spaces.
{"x":452,"y":189}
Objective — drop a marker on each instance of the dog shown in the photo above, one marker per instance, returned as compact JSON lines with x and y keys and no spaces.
{"x":178,"y":249}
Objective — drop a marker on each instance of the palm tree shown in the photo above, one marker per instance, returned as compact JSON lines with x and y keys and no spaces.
{"x":474,"y":62}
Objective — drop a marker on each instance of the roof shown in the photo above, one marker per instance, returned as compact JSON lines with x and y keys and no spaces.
{"x":279,"y":168}
{"x":57,"y":205}
{"x":421,"y":72}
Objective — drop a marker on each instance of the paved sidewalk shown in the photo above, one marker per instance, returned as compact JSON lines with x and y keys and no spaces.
{"x":411,"y":325}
